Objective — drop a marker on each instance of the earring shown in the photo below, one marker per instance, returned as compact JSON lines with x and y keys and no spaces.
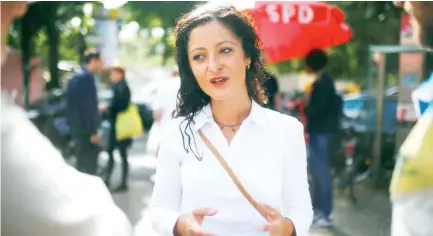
{"x":248,"y":67}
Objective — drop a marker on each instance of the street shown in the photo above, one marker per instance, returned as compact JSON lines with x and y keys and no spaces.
{"x":371,"y":216}
{"x":356,"y":70}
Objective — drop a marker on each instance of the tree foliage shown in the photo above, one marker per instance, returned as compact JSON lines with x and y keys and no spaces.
{"x":160,"y":14}
{"x":155,"y":13}
{"x":45,"y":31}
{"x":372,"y":23}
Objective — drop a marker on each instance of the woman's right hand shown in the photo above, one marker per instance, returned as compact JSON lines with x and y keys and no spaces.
{"x":189,"y":224}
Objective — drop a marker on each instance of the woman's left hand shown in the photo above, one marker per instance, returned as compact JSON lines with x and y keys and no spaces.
{"x":277,"y":224}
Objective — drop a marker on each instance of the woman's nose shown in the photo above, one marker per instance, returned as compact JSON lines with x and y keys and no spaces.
{"x":214,"y":64}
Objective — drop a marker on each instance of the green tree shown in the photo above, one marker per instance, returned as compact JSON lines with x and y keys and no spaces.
{"x":45,"y":30}
{"x":371,"y":22}
{"x":160,"y":14}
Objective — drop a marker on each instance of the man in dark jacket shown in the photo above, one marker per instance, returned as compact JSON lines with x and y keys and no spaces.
{"x":83,"y":113}
{"x":322,"y":122}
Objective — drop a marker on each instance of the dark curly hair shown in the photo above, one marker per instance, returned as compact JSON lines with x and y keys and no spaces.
{"x":191,"y":97}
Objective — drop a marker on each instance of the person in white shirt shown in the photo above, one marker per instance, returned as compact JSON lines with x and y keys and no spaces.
{"x":166,"y":100}
{"x":222,"y":97}
{"x":40,"y":193}
{"x":163,"y":106}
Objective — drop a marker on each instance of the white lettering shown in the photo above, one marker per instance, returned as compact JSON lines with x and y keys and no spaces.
{"x":305,"y":14}
{"x":271,"y":9}
{"x":288,"y":12}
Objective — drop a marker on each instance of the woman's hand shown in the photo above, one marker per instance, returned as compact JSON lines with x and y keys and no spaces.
{"x":189,"y":224}
{"x":277,"y":225}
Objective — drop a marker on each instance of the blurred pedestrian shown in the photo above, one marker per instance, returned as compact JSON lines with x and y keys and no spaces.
{"x":273,"y":91}
{"x":166,"y":99}
{"x":82,"y":112}
{"x":163,"y":107}
{"x":221,"y":130}
{"x":40,"y":193}
{"x":119,"y":103}
{"x":322,"y":123}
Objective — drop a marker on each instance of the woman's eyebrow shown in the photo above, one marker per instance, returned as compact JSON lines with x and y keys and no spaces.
{"x":218,"y":44}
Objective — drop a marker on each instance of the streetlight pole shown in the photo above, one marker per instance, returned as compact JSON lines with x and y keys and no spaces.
{"x":107,"y":29}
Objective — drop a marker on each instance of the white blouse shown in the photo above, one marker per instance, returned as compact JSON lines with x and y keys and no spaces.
{"x":267,"y":154}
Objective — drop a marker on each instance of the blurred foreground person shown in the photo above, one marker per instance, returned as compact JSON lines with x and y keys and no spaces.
{"x":40,"y":193}
{"x":82,"y":112}
{"x":119,"y":103}
{"x":412,"y":182}
{"x":227,"y":165}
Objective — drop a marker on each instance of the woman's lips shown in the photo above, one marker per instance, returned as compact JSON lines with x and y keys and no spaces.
{"x":219,"y":81}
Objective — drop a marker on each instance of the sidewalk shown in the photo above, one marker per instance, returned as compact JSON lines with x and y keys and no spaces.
{"x":369,"y":217}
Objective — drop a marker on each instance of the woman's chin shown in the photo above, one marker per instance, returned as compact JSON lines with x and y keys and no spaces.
{"x":222,"y":96}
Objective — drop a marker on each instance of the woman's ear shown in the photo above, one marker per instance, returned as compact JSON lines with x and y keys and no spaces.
{"x":247,"y":62}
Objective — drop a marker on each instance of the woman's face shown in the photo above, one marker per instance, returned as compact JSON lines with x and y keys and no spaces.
{"x":218,"y":61}
{"x":115,"y":75}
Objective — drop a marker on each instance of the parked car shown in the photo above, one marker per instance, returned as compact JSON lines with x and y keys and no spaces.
{"x":361,"y":109}
{"x":48,"y":115}
{"x":360,"y":114}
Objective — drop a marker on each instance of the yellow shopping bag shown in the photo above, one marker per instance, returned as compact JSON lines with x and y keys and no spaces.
{"x":128,"y":124}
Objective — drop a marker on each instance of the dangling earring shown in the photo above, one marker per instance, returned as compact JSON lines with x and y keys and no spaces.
{"x":248,"y":67}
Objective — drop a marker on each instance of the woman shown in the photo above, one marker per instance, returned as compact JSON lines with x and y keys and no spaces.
{"x":119,"y":102}
{"x":221,"y":95}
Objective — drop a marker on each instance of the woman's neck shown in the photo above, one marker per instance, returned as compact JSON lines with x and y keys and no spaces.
{"x":231,"y":112}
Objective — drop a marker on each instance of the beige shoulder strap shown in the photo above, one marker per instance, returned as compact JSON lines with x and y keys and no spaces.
{"x":231,"y":173}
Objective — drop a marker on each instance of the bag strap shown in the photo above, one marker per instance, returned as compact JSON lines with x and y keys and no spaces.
{"x":231,"y":173}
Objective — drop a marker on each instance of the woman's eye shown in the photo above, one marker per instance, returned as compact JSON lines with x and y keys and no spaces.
{"x":197,"y":57}
{"x":226,"y":50}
